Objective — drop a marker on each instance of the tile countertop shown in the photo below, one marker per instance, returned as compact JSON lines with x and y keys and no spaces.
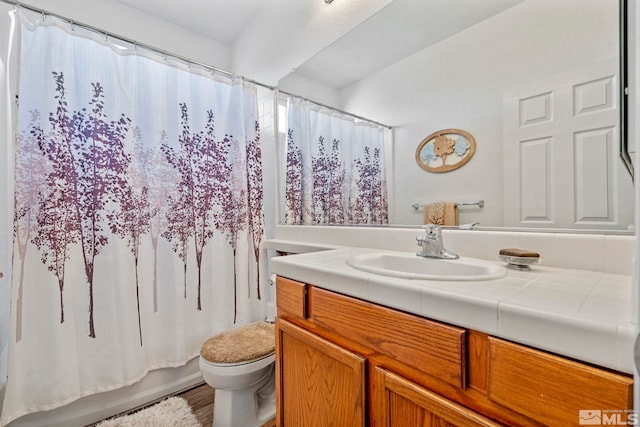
{"x":580,"y":314}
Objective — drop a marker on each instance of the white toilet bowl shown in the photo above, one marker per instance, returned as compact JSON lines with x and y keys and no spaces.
{"x":244,"y":388}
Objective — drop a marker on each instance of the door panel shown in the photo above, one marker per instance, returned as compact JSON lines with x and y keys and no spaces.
{"x":561,"y":155}
{"x":319,"y":383}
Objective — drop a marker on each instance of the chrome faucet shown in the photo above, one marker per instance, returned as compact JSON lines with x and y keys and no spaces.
{"x":431,"y":244}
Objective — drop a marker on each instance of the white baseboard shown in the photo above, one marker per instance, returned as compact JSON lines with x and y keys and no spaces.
{"x":91,"y":409}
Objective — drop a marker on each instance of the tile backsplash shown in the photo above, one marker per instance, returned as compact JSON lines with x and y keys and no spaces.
{"x":595,"y":252}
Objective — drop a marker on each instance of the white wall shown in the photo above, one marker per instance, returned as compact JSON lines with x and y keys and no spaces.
{"x":459,"y":83}
{"x":310,"y":89}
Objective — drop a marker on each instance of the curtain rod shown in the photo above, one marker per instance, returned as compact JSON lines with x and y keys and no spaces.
{"x":108,"y":34}
{"x":333,"y":108}
{"x":165,"y":53}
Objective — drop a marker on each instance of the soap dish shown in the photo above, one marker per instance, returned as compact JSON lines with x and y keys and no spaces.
{"x":519,"y":262}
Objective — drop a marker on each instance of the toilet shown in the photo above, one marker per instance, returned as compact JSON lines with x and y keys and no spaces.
{"x":240,"y":366}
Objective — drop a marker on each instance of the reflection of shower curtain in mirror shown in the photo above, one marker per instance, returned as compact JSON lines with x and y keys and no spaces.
{"x":138,"y":215}
{"x":335,"y":168}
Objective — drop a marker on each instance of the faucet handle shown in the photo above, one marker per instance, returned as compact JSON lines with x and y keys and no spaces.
{"x":468,"y":225}
{"x":431,"y":243}
{"x":433,"y":230}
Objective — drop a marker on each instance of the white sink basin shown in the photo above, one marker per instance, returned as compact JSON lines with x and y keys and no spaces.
{"x":411,"y":266}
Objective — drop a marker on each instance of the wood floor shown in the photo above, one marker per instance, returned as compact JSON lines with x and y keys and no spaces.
{"x":200,"y":399}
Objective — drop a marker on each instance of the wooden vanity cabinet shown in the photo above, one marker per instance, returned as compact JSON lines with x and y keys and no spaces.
{"x":321,"y":384}
{"x":346,"y":362}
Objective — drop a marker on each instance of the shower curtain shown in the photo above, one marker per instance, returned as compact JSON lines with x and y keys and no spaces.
{"x":335,"y":168}
{"x":8,"y":68}
{"x":138,"y":214}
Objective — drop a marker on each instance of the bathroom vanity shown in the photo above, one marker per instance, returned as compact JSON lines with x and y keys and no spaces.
{"x":354,"y":348}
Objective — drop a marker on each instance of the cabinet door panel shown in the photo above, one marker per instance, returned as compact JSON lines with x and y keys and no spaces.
{"x":399,"y":402}
{"x":552,"y":389}
{"x":318,"y":383}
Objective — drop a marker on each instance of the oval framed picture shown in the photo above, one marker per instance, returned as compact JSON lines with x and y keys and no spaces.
{"x":445,"y":150}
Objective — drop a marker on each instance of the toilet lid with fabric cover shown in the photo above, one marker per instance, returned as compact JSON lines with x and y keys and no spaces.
{"x":249,"y":342}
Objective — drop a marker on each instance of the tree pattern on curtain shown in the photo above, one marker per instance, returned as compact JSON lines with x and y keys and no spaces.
{"x":337,"y":182}
{"x":86,"y":154}
{"x":203,"y":170}
{"x":30,"y":172}
{"x":293,"y":182}
{"x":76,"y":184}
{"x":370,"y":201}
{"x":255,"y":196}
{"x":329,"y":175}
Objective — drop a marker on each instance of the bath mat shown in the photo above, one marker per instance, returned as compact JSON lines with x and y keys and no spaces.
{"x":172,"y":412}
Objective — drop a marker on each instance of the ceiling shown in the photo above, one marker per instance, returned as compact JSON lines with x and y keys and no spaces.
{"x":220,"y":20}
{"x":398,"y":30}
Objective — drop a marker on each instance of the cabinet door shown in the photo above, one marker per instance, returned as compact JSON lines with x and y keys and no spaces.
{"x":318,"y":383}
{"x":554,"y":390}
{"x":398,"y":402}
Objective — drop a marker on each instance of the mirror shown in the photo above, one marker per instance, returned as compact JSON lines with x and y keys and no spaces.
{"x":536,"y":82}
